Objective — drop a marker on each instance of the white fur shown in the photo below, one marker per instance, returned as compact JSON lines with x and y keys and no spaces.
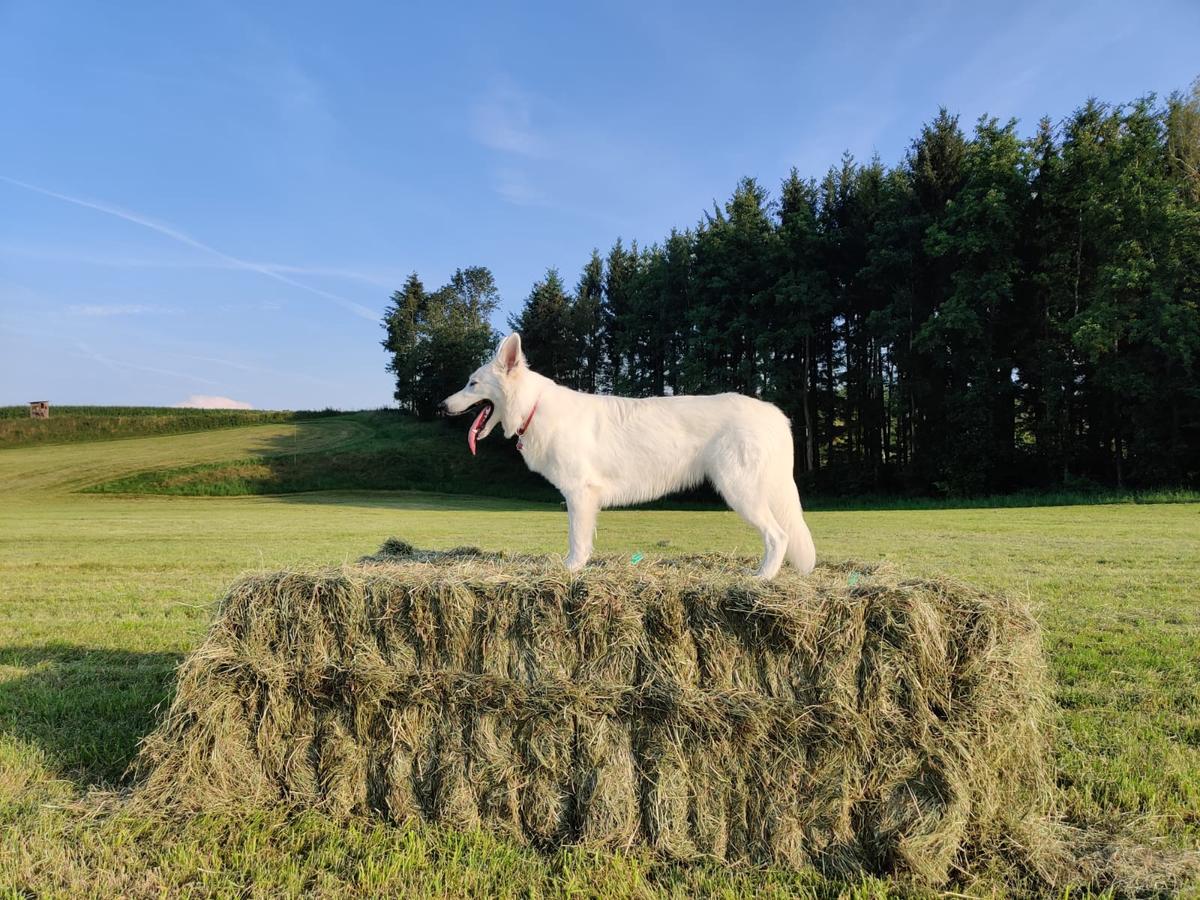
{"x":612,"y":451}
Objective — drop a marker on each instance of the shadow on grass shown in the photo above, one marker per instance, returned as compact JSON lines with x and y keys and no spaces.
{"x":420,"y":500}
{"x":85,"y":707}
{"x":394,"y":453}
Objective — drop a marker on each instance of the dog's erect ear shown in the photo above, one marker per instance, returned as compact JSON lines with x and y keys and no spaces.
{"x":508,"y":354}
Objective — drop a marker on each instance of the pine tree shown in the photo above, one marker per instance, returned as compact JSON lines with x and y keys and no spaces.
{"x":972,"y":330}
{"x":1042,"y":348}
{"x":802,"y":306}
{"x":671,"y":332}
{"x":403,"y":321}
{"x":546,"y":326}
{"x":587,"y":325}
{"x":935,"y":166}
{"x":619,"y":271}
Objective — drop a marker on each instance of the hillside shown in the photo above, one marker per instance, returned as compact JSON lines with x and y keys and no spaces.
{"x":385,"y":450}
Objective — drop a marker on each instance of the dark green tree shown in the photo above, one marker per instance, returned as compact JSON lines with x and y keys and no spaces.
{"x":403,"y":322}
{"x":620,"y":268}
{"x":971,"y":334}
{"x":436,"y":338}
{"x":936,"y":168}
{"x":587,"y":325}
{"x":547,"y":330}
{"x":801,"y":312}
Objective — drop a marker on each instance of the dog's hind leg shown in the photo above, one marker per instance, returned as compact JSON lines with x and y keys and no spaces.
{"x":582,"y":508}
{"x":785,"y":505}
{"x":775,"y":539}
{"x":744,"y":497}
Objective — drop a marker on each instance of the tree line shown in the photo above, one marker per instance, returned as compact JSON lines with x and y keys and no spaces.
{"x":993,"y":313}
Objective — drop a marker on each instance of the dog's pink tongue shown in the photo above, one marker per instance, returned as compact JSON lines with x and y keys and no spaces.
{"x":475,"y":426}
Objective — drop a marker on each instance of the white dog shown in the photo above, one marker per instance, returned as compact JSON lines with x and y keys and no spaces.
{"x":612,"y":451}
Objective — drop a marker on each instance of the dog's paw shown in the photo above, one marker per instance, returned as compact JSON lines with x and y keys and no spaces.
{"x":574,"y":565}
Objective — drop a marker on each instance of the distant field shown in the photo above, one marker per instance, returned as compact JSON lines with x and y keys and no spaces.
{"x":102,"y":594}
{"x":89,"y":423}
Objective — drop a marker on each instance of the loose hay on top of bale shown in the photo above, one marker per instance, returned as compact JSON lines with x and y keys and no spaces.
{"x":853,"y":720}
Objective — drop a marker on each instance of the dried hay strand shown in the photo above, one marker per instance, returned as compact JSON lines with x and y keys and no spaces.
{"x":855,"y":720}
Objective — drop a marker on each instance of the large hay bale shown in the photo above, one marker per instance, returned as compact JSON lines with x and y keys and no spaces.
{"x":854,"y":720}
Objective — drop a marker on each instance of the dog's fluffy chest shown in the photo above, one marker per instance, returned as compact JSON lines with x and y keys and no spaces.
{"x":560,"y":455}
{"x":547,"y":459}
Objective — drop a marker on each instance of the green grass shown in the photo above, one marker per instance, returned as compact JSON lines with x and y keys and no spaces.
{"x":102,"y":594}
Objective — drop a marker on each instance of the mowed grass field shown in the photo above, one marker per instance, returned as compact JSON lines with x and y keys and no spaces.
{"x":102,"y":594}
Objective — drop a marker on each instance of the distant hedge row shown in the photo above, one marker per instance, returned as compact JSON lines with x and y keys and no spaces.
{"x":248,"y":415}
{"x":69,"y":424}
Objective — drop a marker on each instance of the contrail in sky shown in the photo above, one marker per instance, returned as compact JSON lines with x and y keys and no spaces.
{"x":89,"y":353}
{"x":186,"y":239}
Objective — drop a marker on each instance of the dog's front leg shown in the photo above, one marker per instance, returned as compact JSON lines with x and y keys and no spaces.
{"x":582,"y":508}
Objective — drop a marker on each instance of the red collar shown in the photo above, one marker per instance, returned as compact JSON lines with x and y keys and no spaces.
{"x":525,"y":424}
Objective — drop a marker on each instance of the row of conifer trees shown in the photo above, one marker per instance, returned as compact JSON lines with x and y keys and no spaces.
{"x":994,"y":312}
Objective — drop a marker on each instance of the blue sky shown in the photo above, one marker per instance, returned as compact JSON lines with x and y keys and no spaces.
{"x":217,"y":200}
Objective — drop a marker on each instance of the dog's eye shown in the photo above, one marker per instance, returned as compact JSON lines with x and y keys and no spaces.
{"x":472,"y":383}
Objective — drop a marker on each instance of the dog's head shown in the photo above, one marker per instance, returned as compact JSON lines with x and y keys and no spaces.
{"x":489,"y":389}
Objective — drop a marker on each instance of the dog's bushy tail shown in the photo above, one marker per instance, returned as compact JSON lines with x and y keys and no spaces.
{"x":785,"y":506}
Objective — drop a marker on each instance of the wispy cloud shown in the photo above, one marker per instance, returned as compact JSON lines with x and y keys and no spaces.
{"x":189,"y":241}
{"x":206,"y":401}
{"x":378,"y":279}
{"x":382,"y":277}
{"x":516,"y":187}
{"x":503,"y":120}
{"x":256,"y":369}
{"x":546,"y":155}
{"x":117,"y":309}
{"x":87,"y":353}
{"x":297,"y":95}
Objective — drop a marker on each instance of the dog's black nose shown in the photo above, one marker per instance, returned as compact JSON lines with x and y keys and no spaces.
{"x":443,"y":408}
